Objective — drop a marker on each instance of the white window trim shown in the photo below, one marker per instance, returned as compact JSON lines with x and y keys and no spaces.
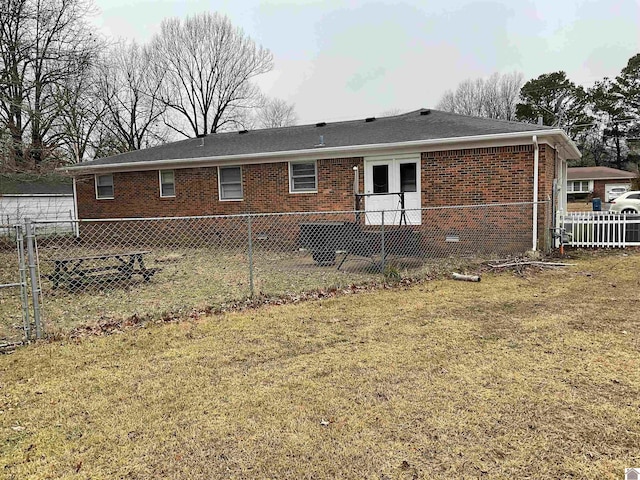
{"x":220,"y":184}
{"x":113,"y":186}
{"x":160,"y":182}
{"x":571,"y":190}
{"x":295,"y":192}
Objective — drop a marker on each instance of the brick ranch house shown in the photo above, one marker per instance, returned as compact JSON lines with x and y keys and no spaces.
{"x":597,"y":182}
{"x":436,"y":158}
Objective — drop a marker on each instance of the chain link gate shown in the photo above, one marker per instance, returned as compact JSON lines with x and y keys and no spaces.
{"x":16,"y":326}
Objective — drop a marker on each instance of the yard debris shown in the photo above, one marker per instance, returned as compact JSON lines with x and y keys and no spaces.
{"x":522,"y":265}
{"x":538,"y":263}
{"x":466,"y":278}
{"x":325,"y":423}
{"x":8,"y":347}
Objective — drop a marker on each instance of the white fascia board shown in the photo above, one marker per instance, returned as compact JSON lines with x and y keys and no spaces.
{"x":625,"y":179}
{"x":617,"y":179}
{"x":551,"y":137}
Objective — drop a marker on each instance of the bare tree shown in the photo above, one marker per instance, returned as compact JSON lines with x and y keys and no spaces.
{"x":41,"y":42}
{"x":208,"y":67}
{"x":494,"y":97}
{"x":276,"y":113}
{"x":392,"y":112}
{"x":81,"y":110}
{"x":510,"y":85}
{"x":468,"y":98}
{"x":14,"y":59}
{"x":129,"y":87}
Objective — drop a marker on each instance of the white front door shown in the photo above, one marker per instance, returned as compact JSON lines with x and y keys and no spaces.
{"x":386,"y":177}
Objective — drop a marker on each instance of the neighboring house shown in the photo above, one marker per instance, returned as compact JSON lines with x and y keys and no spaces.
{"x":598,"y":182}
{"x":435,"y":158}
{"x":40,"y":198}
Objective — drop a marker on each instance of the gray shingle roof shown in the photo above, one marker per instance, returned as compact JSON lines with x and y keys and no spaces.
{"x":412,"y":126}
{"x":45,"y":185}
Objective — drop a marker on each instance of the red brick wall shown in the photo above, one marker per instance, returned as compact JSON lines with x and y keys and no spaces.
{"x":265,"y":189}
{"x":488,"y":175}
{"x":450,"y":177}
{"x":477,"y":175}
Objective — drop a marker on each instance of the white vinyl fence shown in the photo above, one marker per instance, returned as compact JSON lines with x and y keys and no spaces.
{"x":601,"y":229}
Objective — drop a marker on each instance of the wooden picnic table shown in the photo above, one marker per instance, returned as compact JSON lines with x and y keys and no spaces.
{"x":73,"y":272}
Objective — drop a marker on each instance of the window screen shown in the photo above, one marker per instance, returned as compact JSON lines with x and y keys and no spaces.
{"x":303,"y":177}
{"x":104,"y":186}
{"x":167,"y":183}
{"x":230,"y":183}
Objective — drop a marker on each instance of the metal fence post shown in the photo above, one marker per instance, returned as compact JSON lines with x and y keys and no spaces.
{"x":35,"y":292}
{"x":250,"y":252}
{"x":24,"y":296}
{"x":382,"y":250}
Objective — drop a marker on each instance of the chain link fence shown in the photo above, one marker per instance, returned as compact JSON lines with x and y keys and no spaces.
{"x":118,"y":269}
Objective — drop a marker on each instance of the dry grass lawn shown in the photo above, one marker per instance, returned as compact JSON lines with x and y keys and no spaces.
{"x":189,"y":279}
{"x":527,"y":377}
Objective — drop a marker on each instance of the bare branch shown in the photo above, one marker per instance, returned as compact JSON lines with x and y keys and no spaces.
{"x":276,"y":113}
{"x":494,"y":97}
{"x":208,"y":67}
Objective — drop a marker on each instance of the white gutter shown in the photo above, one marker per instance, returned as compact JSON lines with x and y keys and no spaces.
{"x":536,"y":161}
{"x":323,"y":152}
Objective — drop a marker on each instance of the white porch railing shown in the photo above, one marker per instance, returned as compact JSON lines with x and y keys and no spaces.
{"x":601,"y":229}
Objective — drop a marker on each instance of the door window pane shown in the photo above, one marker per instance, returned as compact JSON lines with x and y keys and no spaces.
{"x":408,"y":177}
{"x":381,"y":179}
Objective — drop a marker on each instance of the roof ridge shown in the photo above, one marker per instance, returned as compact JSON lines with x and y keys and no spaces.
{"x":501,"y":120}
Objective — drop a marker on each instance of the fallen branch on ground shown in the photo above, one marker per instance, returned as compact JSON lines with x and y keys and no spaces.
{"x":537,"y":263}
{"x":466,"y":278}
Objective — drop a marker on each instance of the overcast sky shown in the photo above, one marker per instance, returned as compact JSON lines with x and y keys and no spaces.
{"x":338,"y":59}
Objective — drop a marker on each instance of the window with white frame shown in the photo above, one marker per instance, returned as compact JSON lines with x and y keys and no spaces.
{"x":167,"y":183}
{"x":579,"y":186}
{"x":230,"y":179}
{"x":303,"y":177}
{"x":104,"y":186}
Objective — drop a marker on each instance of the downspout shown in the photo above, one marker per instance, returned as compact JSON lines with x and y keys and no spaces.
{"x":356,"y":192}
{"x":75,"y":224}
{"x":536,"y":161}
